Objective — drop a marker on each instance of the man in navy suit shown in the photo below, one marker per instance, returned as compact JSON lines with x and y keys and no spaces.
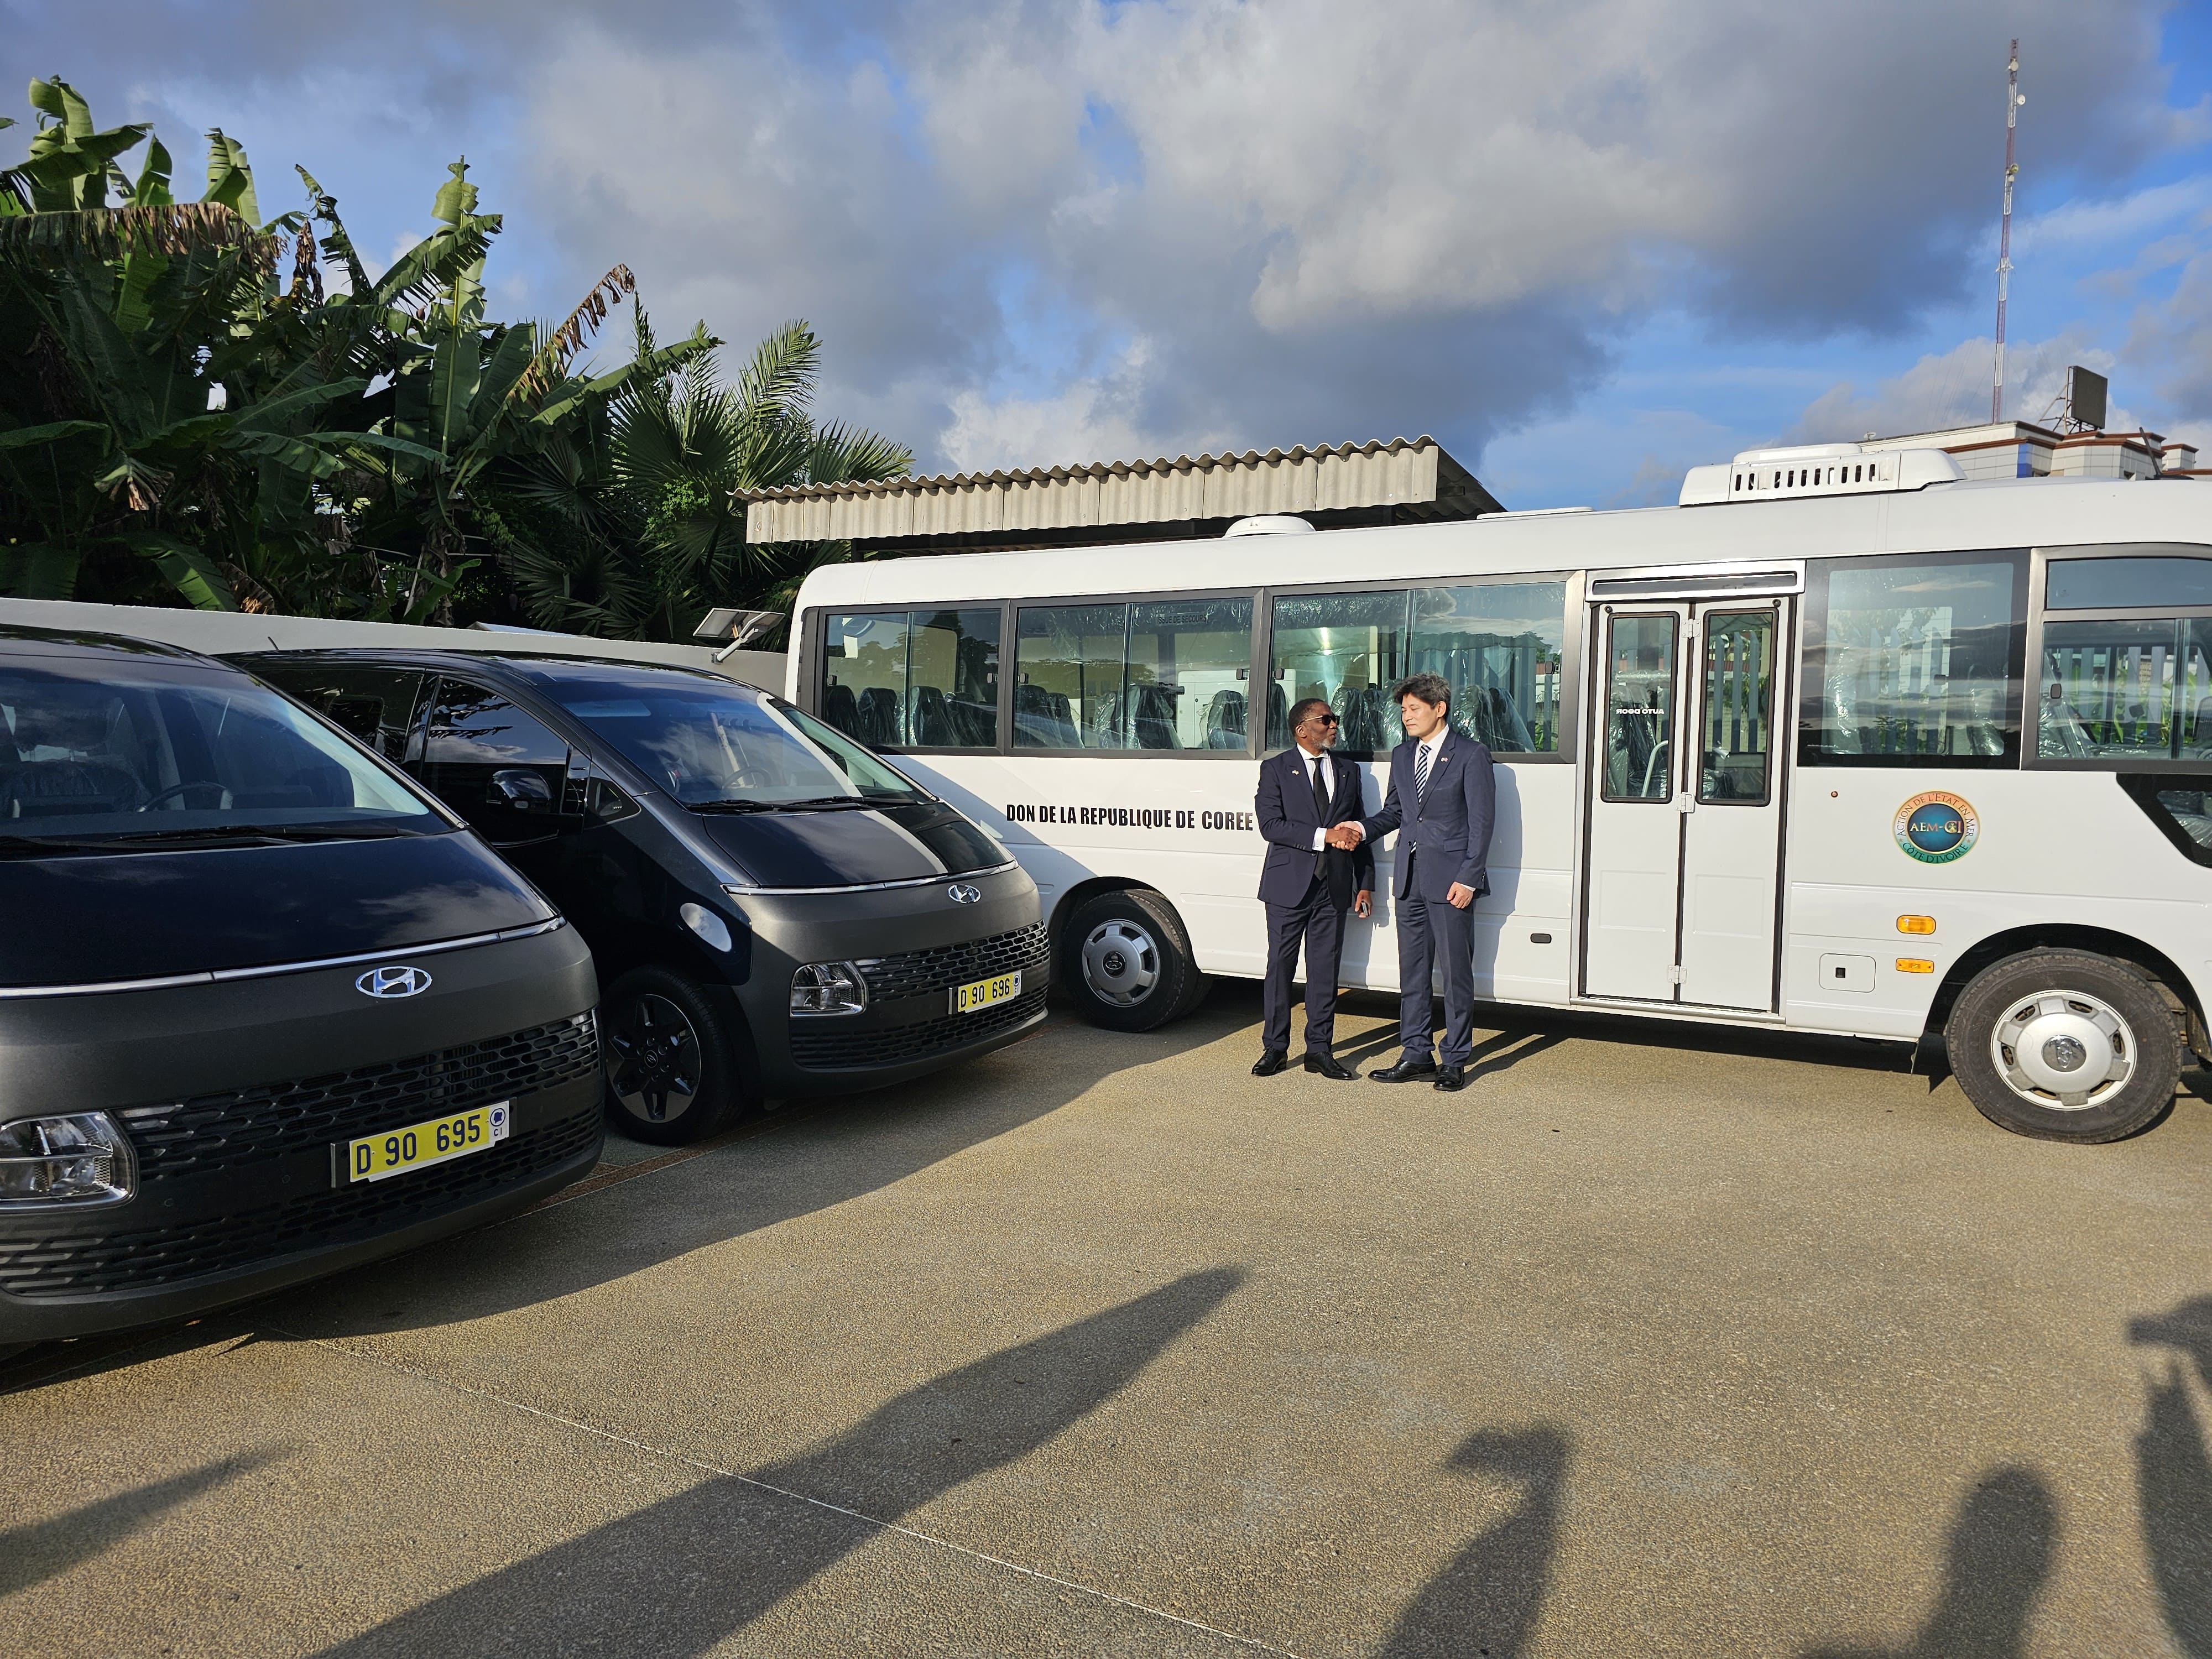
{"x":1443,"y":794}
{"x":1307,"y":884}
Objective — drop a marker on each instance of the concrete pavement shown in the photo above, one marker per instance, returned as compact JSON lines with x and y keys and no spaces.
{"x":1654,"y":1340}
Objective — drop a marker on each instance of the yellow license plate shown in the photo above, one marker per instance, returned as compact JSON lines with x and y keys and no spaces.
{"x":982,"y":993}
{"x":435,"y":1140}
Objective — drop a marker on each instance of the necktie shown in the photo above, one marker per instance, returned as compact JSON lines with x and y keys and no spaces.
{"x":1321,"y":807}
{"x":1420,"y":775}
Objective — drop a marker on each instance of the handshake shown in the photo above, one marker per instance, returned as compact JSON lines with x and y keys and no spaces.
{"x":1345,"y":836}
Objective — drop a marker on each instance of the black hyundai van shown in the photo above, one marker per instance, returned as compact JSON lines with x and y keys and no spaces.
{"x":265,"y":1010}
{"x":776,"y":911}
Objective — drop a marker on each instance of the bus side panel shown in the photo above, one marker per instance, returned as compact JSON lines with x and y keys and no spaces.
{"x":2048,"y":848}
{"x":1186,"y":828}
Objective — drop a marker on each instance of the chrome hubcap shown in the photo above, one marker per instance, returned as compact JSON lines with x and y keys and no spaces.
{"x":1121,"y":963}
{"x":653,"y":1059}
{"x":2063,"y":1050}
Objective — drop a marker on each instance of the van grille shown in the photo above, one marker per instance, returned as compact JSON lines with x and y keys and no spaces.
{"x":243,"y":1126}
{"x":919,"y":972}
{"x":93,"y":1264}
{"x":834,"y":1050}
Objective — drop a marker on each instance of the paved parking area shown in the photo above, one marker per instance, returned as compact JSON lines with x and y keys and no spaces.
{"x":1652,"y":1341}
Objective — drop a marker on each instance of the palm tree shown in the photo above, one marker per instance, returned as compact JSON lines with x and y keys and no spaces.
{"x":679,"y":447}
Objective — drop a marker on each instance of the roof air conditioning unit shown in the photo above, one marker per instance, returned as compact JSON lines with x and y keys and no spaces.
{"x":1270,"y":524}
{"x":1817,"y":470}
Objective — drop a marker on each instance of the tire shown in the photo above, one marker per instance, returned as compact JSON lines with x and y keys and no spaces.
{"x":672,"y":1072}
{"x":1126,"y":960}
{"x":2030,"y":1025}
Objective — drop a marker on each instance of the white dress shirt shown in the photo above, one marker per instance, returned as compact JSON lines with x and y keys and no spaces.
{"x":1320,"y":762}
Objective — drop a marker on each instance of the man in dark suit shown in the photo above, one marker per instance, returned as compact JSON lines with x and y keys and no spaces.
{"x":1307,"y":884}
{"x":1443,"y":794}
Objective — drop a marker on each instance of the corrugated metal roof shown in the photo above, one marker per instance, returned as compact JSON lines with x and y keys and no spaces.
{"x":1414,"y":473}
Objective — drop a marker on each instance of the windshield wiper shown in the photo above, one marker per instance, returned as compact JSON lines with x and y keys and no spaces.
{"x":809,"y":803}
{"x":144,"y":840}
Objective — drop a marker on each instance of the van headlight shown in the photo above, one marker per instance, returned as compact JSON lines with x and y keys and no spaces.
{"x":82,"y":1158}
{"x":829,"y":988}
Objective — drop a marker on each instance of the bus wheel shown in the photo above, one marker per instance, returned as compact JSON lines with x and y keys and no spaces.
{"x":672,"y":1075}
{"x":1128,"y":964}
{"x":2065,"y":1046}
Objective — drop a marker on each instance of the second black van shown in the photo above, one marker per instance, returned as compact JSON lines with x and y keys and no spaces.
{"x":775,"y":910}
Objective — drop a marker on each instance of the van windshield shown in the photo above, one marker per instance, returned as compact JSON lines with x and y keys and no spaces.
{"x":104,"y":757}
{"x":722,"y":749}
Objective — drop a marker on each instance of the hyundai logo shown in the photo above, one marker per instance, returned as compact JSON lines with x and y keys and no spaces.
{"x":393,"y":982}
{"x":961,"y":893}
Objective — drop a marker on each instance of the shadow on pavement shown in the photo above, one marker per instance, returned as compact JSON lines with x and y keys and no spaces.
{"x":1487,"y":1600}
{"x":44,"y":1549}
{"x":683,"y":1575}
{"x":807,"y":1159}
{"x":1995,"y":1566}
{"x":2173,"y":1476}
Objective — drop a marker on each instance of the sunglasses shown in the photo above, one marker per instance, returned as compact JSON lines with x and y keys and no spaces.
{"x":1318,"y":720}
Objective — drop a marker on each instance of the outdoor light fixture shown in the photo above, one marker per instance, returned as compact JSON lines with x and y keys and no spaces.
{"x":829,"y":988}
{"x":79,"y":1159}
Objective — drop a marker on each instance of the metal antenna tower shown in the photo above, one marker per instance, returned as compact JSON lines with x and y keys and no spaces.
{"x":2012,"y":101}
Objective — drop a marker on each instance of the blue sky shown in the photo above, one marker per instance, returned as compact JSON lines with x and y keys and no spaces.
{"x":1586,"y":245}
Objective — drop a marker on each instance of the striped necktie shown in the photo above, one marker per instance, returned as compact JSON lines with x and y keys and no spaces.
{"x":1420,"y":774}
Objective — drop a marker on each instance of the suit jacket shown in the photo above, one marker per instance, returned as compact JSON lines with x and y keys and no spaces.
{"x":1288,"y":818}
{"x":1449,"y":827}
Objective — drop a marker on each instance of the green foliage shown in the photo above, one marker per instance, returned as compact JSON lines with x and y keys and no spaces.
{"x":679,"y":449}
{"x":179,"y":424}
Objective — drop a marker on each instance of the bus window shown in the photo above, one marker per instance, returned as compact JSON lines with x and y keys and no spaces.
{"x":1499,"y":646}
{"x":2152,"y":581}
{"x":1068,"y":669}
{"x":2125,"y":690}
{"x":1913,"y":659}
{"x":1347,"y":648}
{"x":918,"y":679}
{"x":1189,"y":663}
{"x":1737,"y":715}
{"x":1639,"y":709}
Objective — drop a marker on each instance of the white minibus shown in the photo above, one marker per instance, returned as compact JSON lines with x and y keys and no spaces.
{"x":1842,"y":743}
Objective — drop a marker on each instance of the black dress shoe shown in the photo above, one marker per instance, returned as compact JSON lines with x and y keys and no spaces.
{"x":1271,"y":1061}
{"x":1404,"y":1072}
{"x":1450,"y":1079}
{"x":1329,"y":1065}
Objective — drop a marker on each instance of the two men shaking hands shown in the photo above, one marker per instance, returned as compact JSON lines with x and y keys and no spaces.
{"x":1442,"y":798}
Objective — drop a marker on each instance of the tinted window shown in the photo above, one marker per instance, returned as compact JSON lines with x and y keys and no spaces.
{"x":915,"y":680}
{"x":1914,"y":660}
{"x":1639,"y":709}
{"x":376,"y":705}
{"x":1735,"y":709}
{"x":1189,"y":663}
{"x":2116,"y":690}
{"x":496,"y":765}
{"x":2127,"y":583}
{"x":1069,"y":664}
{"x":1347,"y":649}
{"x":705,"y":742}
{"x":90,"y":748}
{"x":2180,"y":807}
{"x":1498,"y":646}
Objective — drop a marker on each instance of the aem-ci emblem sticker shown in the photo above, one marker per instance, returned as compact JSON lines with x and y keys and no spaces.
{"x":1937,"y":827}
{"x":961,"y":893}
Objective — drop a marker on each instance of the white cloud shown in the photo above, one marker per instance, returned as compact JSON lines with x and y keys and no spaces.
{"x":1952,"y":389}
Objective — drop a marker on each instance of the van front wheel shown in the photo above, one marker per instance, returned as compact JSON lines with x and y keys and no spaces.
{"x":1127,"y":962}
{"x":672,"y":1070}
{"x":2064,"y":1046}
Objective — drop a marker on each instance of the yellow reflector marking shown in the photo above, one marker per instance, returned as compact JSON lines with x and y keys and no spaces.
{"x":1915,"y":924}
{"x":1914,"y":965}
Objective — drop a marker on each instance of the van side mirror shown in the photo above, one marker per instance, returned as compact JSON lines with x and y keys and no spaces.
{"x":520,"y":791}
